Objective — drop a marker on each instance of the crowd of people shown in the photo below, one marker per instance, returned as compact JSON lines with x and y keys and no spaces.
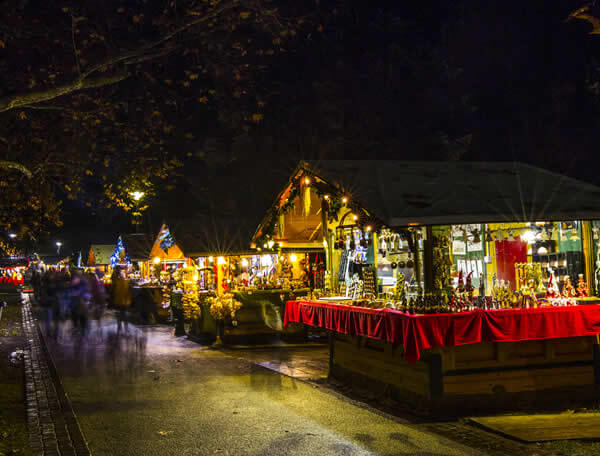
{"x":78,"y":296}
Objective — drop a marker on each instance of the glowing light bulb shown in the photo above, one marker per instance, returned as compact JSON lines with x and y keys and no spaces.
{"x":326,"y":197}
{"x":221,"y":260}
{"x":369,"y":228}
{"x":244,"y":263}
{"x":271,"y":244}
{"x":156,"y":260}
{"x":137,"y":195}
{"x":307,"y":180}
{"x":211,"y":259}
{"x":354,"y":217}
{"x":293,"y":258}
{"x":345,"y":199}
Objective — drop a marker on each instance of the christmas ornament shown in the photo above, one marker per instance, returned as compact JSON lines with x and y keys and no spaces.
{"x":582,"y":288}
{"x":568,"y":290}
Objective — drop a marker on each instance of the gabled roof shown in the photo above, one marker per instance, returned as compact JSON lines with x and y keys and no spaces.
{"x":13,"y":261}
{"x":101,"y":254}
{"x":137,"y":246}
{"x":205,"y":236}
{"x":429,"y":193}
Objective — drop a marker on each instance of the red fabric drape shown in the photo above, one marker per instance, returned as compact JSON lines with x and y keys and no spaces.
{"x":420,"y":332}
{"x":507,"y":254}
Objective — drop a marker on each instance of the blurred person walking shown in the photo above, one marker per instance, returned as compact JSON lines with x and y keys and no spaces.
{"x":121,"y":297}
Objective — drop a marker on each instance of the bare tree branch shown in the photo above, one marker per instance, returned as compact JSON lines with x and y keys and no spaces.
{"x":15,"y":165}
{"x":144,"y":53}
{"x":28,"y":99}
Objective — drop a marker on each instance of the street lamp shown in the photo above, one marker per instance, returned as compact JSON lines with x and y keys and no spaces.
{"x":58,"y":244}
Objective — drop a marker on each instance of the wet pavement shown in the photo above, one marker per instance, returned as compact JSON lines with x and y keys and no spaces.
{"x":310,"y":363}
{"x":146,"y":392}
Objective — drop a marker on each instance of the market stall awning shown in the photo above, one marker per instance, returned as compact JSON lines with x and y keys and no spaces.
{"x":402,"y":193}
{"x":217,"y":236}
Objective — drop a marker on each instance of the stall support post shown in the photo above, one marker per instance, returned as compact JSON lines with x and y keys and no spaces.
{"x":416,"y":260}
{"x":588,"y":254}
{"x":596,"y":348}
{"x":428,"y":260}
{"x":436,"y":377}
{"x":331,"y":340}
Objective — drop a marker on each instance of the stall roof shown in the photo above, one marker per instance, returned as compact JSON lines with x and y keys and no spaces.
{"x":100,"y":254}
{"x":401,"y":193}
{"x":205,"y":236}
{"x":137,"y":246}
{"x":13,"y":261}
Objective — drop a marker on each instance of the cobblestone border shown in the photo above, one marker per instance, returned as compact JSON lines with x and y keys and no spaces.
{"x":52,"y":425}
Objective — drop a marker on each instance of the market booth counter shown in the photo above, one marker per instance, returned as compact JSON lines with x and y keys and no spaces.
{"x":464,"y":361}
{"x":457,"y":286}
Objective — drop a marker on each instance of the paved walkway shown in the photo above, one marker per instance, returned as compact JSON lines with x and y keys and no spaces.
{"x":310,"y":363}
{"x":53,"y":429}
{"x":146,"y":392}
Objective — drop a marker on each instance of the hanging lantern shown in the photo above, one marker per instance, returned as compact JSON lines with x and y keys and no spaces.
{"x":510,"y":236}
{"x":545,"y":235}
{"x":574,"y":235}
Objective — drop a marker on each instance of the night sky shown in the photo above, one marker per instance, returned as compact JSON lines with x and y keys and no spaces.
{"x":439,"y":80}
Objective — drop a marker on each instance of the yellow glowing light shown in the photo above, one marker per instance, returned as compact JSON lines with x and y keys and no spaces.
{"x":344,"y":199}
{"x":307,"y":180}
{"x":369,"y":228}
{"x":354,"y":217}
{"x":271,"y":244}
{"x":324,"y":242}
{"x":221,"y":260}
{"x":326,"y":197}
{"x":156,"y":260}
{"x":137,"y":195}
{"x":293,"y":258}
{"x":244,"y":263}
{"x":211,"y":259}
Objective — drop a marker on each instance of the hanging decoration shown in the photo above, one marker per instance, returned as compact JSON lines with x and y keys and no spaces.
{"x":166,"y":240}
{"x":306,"y":199}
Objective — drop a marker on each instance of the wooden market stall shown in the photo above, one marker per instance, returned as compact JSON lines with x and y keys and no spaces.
{"x":223,"y":270}
{"x":460,"y":285}
{"x":99,"y":256}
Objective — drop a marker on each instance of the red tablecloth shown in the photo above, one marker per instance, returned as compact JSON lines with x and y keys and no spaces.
{"x":420,"y":332}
